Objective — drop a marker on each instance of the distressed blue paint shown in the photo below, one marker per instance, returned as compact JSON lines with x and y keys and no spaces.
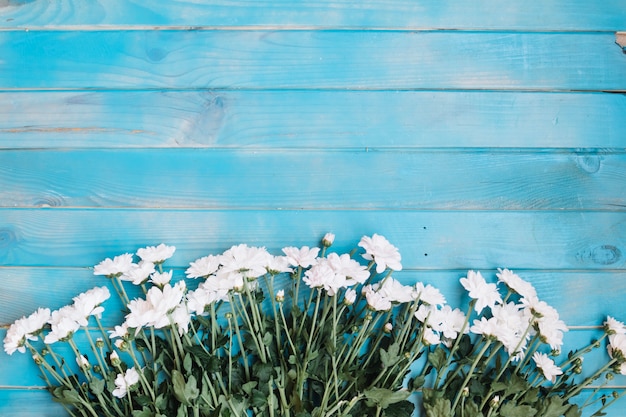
{"x":308,"y":119}
{"x":428,"y":239}
{"x":402,"y":14}
{"x":452,"y":129}
{"x":311,"y":60}
{"x":291,"y":179}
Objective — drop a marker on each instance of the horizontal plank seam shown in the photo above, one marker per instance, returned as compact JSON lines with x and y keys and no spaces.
{"x":299,"y":28}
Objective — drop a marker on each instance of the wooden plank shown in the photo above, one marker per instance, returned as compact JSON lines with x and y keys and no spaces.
{"x":299,"y":119}
{"x":22,"y":293}
{"x":311,"y":60}
{"x":396,"y":14}
{"x":427,"y":239}
{"x":364,"y":179}
{"x":28,"y":403}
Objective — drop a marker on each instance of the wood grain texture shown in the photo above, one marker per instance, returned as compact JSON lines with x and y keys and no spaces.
{"x":22,"y":294}
{"x":308,"y":119}
{"x":279,"y":179}
{"x":401,"y":14}
{"x":370,"y":60}
{"x":427,"y":239}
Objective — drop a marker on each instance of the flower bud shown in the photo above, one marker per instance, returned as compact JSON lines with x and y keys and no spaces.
{"x":280,"y":296}
{"x":292,"y":374}
{"x":99,"y":343}
{"x":45,"y":351}
{"x":97,"y":369}
{"x":465,"y":392}
{"x":328,"y":240}
{"x":609,"y":376}
{"x":388,"y":328}
{"x":228,"y":315}
{"x":115,"y":359}
{"x":494,"y":401}
{"x":38,"y":359}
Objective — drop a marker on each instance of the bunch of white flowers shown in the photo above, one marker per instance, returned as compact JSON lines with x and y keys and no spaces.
{"x":308,"y":332}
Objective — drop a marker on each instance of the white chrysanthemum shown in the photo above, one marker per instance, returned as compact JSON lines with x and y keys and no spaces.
{"x":161,"y":278}
{"x":203,"y":267}
{"x":303,"y":257}
{"x":394,"y":291}
{"x":203,"y":296}
{"x":114,"y":267}
{"x":486,"y":295}
{"x":277,"y":265}
{"x":430,"y":337}
{"x":89,"y":304}
{"x":181,"y":318}
{"x":24,"y":329}
{"x":378,"y":249}
{"x":516,"y":283}
{"x":138,"y":273}
{"x":319,"y":276}
{"x":486,"y":327}
{"x":613,"y":326}
{"x":547,"y":366}
{"x":428,"y":294}
{"x":124,"y":382}
{"x":349,"y":297}
{"x":375,"y":300}
{"x":246,"y":260}
{"x":83,"y":362}
{"x":119,"y":331}
{"x":156,"y":254}
{"x":617,"y":346}
{"x":451,"y":322}
{"x":347,"y":269}
{"x":141,"y":314}
{"x":62,"y":323}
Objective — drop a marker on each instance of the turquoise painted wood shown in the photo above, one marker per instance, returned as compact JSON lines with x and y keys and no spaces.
{"x":306,"y":59}
{"x":480,"y":179}
{"x":311,"y":119}
{"x":473,"y":135}
{"x":576,"y":15}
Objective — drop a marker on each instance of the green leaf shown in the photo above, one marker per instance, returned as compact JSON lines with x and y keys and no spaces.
{"x":144,"y":412}
{"x":438,"y":407}
{"x":437,"y":358}
{"x":400,"y":409}
{"x":187,"y":363}
{"x":179,"y":384}
{"x":97,"y":386}
{"x":417,"y":382}
{"x":390,"y":357}
{"x":553,"y":407}
{"x":471,"y":409}
{"x":248,"y":386}
{"x":383,"y":397}
{"x":513,"y":410}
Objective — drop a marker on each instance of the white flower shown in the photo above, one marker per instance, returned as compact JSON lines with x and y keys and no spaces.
{"x":547,"y":366}
{"x":613,"y":326}
{"x":182,"y":318}
{"x":199,"y":299}
{"x":321,"y":275}
{"x":164,"y":301}
{"x":24,"y":329}
{"x":452,"y":322}
{"x":424,"y":313}
{"x":486,"y":295}
{"x":516,"y":283}
{"x":375,"y":300}
{"x":138,"y":273}
{"x":277,"y":264}
{"x":203,"y":267}
{"x":114,"y":267}
{"x":617,"y":346}
{"x":246,"y":260}
{"x":303,"y":257}
{"x":63,"y":324}
{"x":347,"y":269}
{"x":349,"y":297}
{"x":156,"y":254}
{"x":395,"y":292}
{"x":430,"y":337}
{"x":428,"y":294}
{"x":89,"y":304}
{"x":125,"y":381}
{"x":119,"y":331}
{"x":83,"y":362}
{"x":486,"y":327}
{"x":328,"y":239}
{"x":141,"y":314}
{"x":161,"y":278}
{"x":379,"y":249}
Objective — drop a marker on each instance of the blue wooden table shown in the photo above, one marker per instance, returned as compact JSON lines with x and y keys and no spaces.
{"x":477,"y":135}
